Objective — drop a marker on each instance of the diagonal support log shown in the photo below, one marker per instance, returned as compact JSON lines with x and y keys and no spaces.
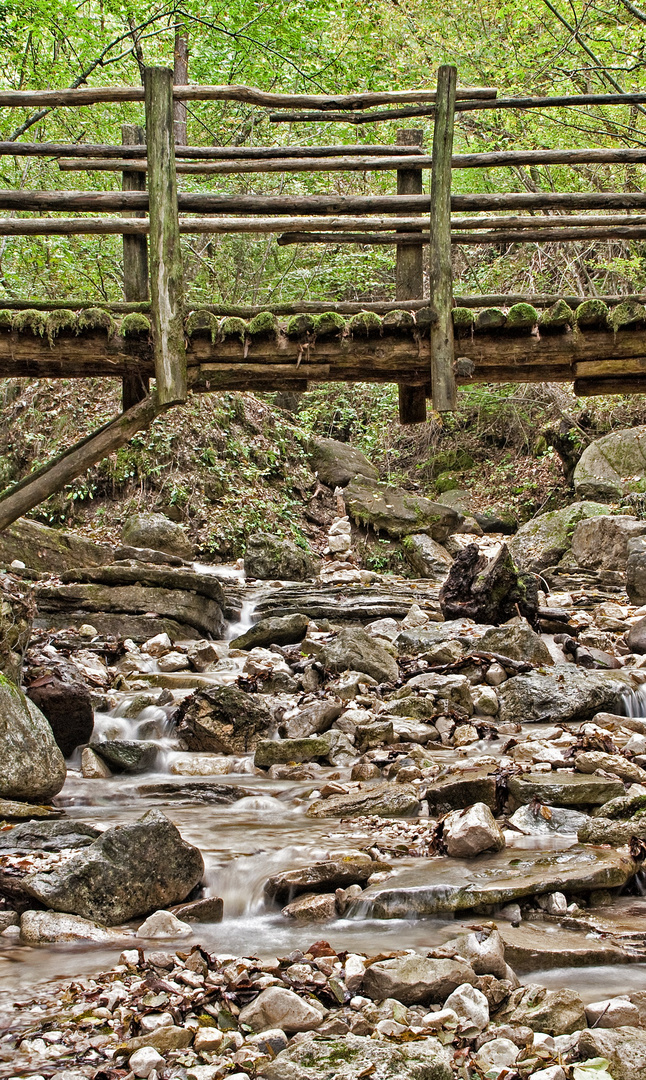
{"x":39,"y":485}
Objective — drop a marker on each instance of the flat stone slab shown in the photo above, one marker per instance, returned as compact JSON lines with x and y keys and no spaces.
{"x":540,"y":945}
{"x":11,"y":810}
{"x":564,"y":789}
{"x":457,"y":885}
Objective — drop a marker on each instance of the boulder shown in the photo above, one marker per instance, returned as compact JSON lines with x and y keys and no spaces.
{"x":338,"y":873}
{"x":564,"y":789}
{"x":426,"y":556}
{"x":470,"y":832}
{"x":612,"y":466}
{"x":397,"y":512}
{"x":283,"y":751}
{"x":129,"y":871}
{"x":624,"y":1048}
{"x":416,"y":980}
{"x":386,"y":800}
{"x":517,"y":641}
{"x":68,"y":709}
{"x":472,"y":1008}
{"x":457,"y":791}
{"x":549,"y":820}
{"x":636,"y":636}
{"x":636,"y":570}
{"x":347,"y":1057}
{"x":278,"y":1007}
{"x":601,"y":830}
{"x":54,"y":927}
{"x":158,"y":532}
{"x":544,"y":540}
{"x":337,"y":463}
{"x":128,"y":755}
{"x":51,"y":550}
{"x":47,"y":836}
{"x":355,"y":650}
{"x":602,"y":543}
{"x":556,"y":1012}
{"x":311,"y":719}
{"x":592,"y":760}
{"x":222,"y":720}
{"x":268,"y":556}
{"x":557,"y":699}
{"x":311,"y":907}
{"x":33,"y":767}
{"x":286,"y":630}
{"x":16,"y":616}
{"x":487,"y":590}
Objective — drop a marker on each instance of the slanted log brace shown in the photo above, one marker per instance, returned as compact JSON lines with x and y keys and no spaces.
{"x":166,"y":276}
{"x":441,"y":278}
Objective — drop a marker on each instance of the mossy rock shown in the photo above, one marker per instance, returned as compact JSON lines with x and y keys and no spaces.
{"x":202,"y":324}
{"x":627,"y":316}
{"x":450,"y":461}
{"x":135,"y":325}
{"x":63,"y":321}
{"x":592,"y":313}
{"x":463,"y":320}
{"x":556,"y":318}
{"x":425,"y":318}
{"x":300,"y":327}
{"x":329,"y":324}
{"x":263,"y":325}
{"x":521,"y":319}
{"x":94,"y":320}
{"x":447,"y":481}
{"x":490,"y":319}
{"x":233,"y":327}
{"x":30,"y":320}
{"x":365,"y":324}
{"x":6,"y":319}
{"x":398,"y":322}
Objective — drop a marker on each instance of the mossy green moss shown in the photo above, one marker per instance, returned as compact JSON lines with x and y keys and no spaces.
{"x":6,"y":319}
{"x":591,"y":313}
{"x":491,"y":318}
{"x":263,"y":325}
{"x":398,"y":322}
{"x":299,"y":326}
{"x":202,"y":324}
{"x":463,"y":320}
{"x":63,"y":321}
{"x":329,"y":324}
{"x":627,"y":316}
{"x":521,"y":319}
{"x":135,"y":325}
{"x":94,"y":320}
{"x":30,"y":320}
{"x":232,"y":327}
{"x":365,"y":324}
{"x":556,"y":318}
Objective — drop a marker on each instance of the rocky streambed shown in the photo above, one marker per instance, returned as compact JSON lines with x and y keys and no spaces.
{"x":318,"y":829}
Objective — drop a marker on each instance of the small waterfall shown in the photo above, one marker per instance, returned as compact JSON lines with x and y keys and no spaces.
{"x":634,"y":702}
{"x":245,"y":621}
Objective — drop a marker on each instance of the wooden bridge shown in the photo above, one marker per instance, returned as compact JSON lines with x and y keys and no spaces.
{"x":428,"y":346}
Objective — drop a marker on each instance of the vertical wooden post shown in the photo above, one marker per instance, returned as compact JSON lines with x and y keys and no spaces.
{"x":180,"y":78}
{"x":135,"y":265}
{"x":441,"y":278}
{"x":409,"y":277}
{"x":166,"y":277}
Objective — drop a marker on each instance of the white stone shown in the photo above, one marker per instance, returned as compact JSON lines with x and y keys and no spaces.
{"x":414,"y":617}
{"x":92,"y":766}
{"x":636,"y":744}
{"x":144,"y":1060}
{"x":390,"y":1028}
{"x":342,"y":542}
{"x":158,"y":645}
{"x":207,"y":1038}
{"x":383,"y":628}
{"x":552,"y":1072}
{"x":442,"y":1018}
{"x":511,"y":913}
{"x":277,"y":1007}
{"x":355,"y":969}
{"x":163,"y":924}
{"x":485,"y":700}
{"x":88,"y":631}
{"x":553,"y":903}
{"x":471,"y":1007}
{"x":499,"y":1053}
{"x":471,"y":831}
{"x":341,"y":525}
{"x":495,"y":675}
{"x":200,"y":765}
{"x":37,"y":927}
{"x":173,"y":661}
{"x":17,"y":564}
{"x":612,"y":1013}
{"x":154,"y":1020}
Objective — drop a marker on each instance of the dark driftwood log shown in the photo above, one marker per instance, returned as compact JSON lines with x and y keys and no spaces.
{"x":488,"y":590}
{"x":440,"y":273}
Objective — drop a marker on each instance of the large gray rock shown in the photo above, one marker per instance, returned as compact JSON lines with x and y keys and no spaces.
{"x":130,"y":871}
{"x":158,"y":532}
{"x":47,"y":836}
{"x":128,"y":755}
{"x":623,"y":1047}
{"x":222,"y":720}
{"x":518,"y":642}
{"x":352,"y":869}
{"x":612,"y":466}
{"x":564,"y":789}
{"x":286,"y":630}
{"x":67,"y":705}
{"x":54,"y":927}
{"x":347,"y":1057}
{"x":356,"y":650}
{"x":427,"y":558}
{"x":337,"y":463}
{"x":31,"y":765}
{"x":385,"y":800}
{"x":397,"y":512}
{"x":51,"y":550}
{"x":601,"y":543}
{"x":416,"y":980}
{"x":559,"y":698}
{"x":471,"y":831}
{"x":281,"y":751}
{"x":544,"y":540}
{"x":268,"y":556}
{"x":278,"y":1007}
{"x":556,"y":1012}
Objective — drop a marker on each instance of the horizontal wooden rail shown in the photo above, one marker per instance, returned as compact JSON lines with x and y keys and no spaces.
{"x":138,"y":150}
{"x":250,"y":95}
{"x":497,"y":236}
{"x":365,"y":163}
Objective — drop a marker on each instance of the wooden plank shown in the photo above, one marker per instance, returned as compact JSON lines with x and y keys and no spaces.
{"x":409,"y":277}
{"x":134,"y":385}
{"x":441,"y":276}
{"x":166,"y":274}
{"x":38,"y":486}
{"x":609,"y":367}
{"x":617,"y":385}
{"x":522,"y":236}
{"x":107,"y":150}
